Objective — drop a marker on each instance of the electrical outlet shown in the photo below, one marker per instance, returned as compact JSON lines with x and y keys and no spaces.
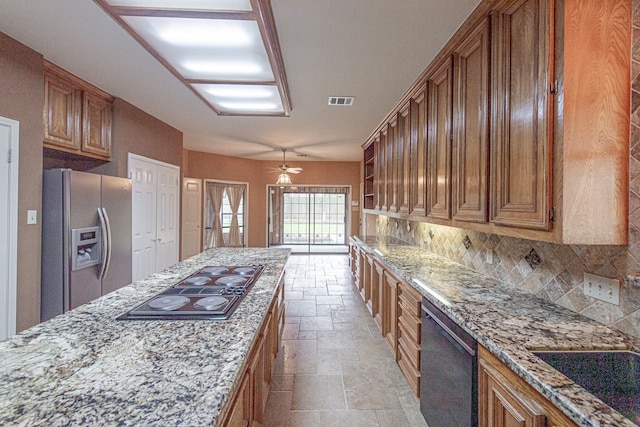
{"x":489,"y":256}
{"x":602,"y":288}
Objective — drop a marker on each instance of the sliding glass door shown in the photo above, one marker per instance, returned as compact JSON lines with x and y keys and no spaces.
{"x":309,"y":219}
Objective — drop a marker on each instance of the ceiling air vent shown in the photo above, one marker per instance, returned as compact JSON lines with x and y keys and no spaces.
{"x":342,"y":100}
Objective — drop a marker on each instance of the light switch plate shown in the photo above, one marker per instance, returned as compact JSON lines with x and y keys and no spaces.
{"x":602,"y":288}
{"x":32,"y":217}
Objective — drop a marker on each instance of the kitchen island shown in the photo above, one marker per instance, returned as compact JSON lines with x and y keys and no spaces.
{"x":510,"y":324}
{"x":87,"y":368}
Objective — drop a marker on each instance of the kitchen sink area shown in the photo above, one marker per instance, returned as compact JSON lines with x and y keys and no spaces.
{"x":611,"y":375}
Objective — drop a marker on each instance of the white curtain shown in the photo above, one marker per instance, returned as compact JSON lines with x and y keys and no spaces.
{"x":216,"y":193}
{"x":234,"y":193}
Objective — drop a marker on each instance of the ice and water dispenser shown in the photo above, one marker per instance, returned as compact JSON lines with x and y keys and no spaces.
{"x":86,"y":247}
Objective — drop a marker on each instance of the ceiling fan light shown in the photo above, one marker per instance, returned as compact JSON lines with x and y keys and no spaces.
{"x":284,"y":179}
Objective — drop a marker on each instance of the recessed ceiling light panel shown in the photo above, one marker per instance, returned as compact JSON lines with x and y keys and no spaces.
{"x":249,"y":99}
{"x":235,"y":5}
{"x":219,"y":50}
{"x":240,"y":91}
{"x":226,"y":51}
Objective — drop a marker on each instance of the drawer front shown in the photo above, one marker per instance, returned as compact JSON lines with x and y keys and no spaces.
{"x":410,"y":301}
{"x":410,"y":349}
{"x":410,"y":324}
{"x":409,"y":371}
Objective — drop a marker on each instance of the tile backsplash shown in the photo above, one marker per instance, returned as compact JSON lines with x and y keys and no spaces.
{"x":550,"y":271}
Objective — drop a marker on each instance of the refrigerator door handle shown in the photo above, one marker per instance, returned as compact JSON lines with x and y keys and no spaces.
{"x":109,"y":243}
{"x":103,"y":244}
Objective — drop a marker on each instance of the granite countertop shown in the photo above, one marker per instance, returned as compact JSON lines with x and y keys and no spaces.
{"x":86,"y":368}
{"x":510,"y":324}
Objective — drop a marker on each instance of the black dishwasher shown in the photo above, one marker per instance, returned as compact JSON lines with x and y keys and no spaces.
{"x":448,"y":371}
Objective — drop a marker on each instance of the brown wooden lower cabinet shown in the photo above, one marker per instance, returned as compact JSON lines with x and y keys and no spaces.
{"x":390,"y":311}
{"x":249,"y":399}
{"x":361,"y":275}
{"x":506,"y":400}
{"x":240,"y":415}
{"x":375,"y":290}
{"x":381,"y":297}
{"x":395,"y":307}
{"x":365,"y":280}
{"x":409,"y":328}
{"x":257,"y":382}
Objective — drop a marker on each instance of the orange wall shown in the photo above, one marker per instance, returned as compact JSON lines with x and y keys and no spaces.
{"x":137,"y":132}
{"x":215,"y":166}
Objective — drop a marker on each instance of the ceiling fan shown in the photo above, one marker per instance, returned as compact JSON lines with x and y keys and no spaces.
{"x":285,"y":170}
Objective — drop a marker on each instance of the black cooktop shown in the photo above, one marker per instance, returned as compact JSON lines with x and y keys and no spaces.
{"x":211,"y":293}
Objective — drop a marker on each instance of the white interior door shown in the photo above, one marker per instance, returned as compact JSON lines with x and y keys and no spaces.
{"x":191,"y":216}
{"x":155,"y":224}
{"x":167,"y":225}
{"x":143,"y":214}
{"x":8,"y":225}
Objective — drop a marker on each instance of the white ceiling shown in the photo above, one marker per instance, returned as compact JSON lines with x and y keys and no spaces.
{"x":371,"y":49}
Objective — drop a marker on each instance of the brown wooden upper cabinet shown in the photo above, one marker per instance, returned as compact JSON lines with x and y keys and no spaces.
{"x":392,"y":165}
{"x":439,"y":139}
{"x":403,"y":146}
{"x":471,"y":126}
{"x":77,"y":115}
{"x":418,"y":152}
{"x":521,"y":120}
{"x":381,"y":153}
{"x":519,"y":126}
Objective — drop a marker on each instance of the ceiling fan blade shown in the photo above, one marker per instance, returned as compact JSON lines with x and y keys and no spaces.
{"x":294,"y":170}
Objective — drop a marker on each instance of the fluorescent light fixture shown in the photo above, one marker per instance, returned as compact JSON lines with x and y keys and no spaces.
{"x":203,"y":32}
{"x":249,"y":106}
{"x":241,"y":91}
{"x":433,"y":292}
{"x":245,"y":98}
{"x":228,"y":5}
{"x":215,"y":68}
{"x":226,"y":51}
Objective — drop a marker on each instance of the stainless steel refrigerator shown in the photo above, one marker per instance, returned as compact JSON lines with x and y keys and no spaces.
{"x":86,"y":238}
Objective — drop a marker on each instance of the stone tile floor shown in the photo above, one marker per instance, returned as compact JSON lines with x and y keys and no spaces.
{"x":334,"y":368}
